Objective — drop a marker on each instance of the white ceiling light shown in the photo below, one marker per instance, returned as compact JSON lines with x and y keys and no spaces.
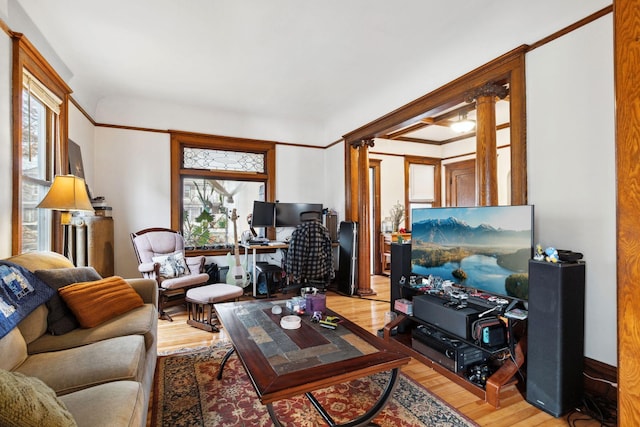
{"x":463,"y":124}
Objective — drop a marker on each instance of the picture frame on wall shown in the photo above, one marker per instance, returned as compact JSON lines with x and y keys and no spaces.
{"x":75,"y":160}
{"x":76,"y":166}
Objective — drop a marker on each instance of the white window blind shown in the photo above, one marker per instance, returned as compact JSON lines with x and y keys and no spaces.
{"x":422,"y":182}
{"x":37,"y":89}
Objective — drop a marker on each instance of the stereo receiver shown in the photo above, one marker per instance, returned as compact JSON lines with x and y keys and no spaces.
{"x":449,"y":352}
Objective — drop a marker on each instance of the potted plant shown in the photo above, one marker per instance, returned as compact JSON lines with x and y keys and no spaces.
{"x":397,"y":215}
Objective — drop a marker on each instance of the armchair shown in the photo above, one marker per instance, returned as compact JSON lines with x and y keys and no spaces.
{"x":160,"y":253}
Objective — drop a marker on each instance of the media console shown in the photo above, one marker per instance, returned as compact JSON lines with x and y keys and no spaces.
{"x":481,"y":369}
{"x":459,"y":335}
{"x":465,"y":337}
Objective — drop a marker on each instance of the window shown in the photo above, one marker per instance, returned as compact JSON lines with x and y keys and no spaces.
{"x":422,"y":178}
{"x":211,"y":177}
{"x":39,"y":129}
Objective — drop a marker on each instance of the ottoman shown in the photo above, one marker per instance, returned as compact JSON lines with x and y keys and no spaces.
{"x":200,"y":302}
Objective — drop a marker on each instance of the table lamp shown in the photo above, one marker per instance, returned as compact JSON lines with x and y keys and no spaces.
{"x":67,"y":194}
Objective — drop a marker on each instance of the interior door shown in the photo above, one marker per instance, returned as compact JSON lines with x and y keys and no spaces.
{"x":461,"y":183}
{"x":376,"y":217}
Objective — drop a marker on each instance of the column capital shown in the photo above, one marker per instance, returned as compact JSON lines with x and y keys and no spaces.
{"x":489,"y":89}
{"x":362,"y":143}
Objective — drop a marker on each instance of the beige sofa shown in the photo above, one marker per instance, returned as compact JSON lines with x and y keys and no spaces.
{"x":104,"y":374}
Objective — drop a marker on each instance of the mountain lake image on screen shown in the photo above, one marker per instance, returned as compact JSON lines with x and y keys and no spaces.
{"x":486,"y":248}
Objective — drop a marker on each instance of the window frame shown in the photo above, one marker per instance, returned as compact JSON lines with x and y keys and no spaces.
{"x":437,"y":183}
{"x":26,"y":56}
{"x":181,"y":140}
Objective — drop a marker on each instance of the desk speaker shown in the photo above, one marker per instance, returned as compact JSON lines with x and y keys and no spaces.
{"x":555,"y":355}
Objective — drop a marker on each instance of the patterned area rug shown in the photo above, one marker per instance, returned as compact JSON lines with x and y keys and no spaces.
{"x":187,"y":393}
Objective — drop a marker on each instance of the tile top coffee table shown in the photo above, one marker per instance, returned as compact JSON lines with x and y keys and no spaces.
{"x":282,"y":363}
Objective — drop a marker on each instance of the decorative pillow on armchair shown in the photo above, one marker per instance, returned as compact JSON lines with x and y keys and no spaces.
{"x":172,"y":265}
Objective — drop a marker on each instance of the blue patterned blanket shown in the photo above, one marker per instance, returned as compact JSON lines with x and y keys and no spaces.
{"x":20,"y":293}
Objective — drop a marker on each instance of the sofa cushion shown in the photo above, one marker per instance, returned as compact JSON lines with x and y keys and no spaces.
{"x":27,"y":401}
{"x":35,"y":324}
{"x":60,"y":319}
{"x":139,"y":321}
{"x":20,"y":293}
{"x":95,"y":302}
{"x":13,"y":349}
{"x":66,"y":371}
{"x":118,"y":403}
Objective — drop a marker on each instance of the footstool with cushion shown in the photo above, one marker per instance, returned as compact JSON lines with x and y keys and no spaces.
{"x":200,"y":303}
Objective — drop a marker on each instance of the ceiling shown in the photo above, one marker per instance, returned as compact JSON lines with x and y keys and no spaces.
{"x":332,"y":63}
{"x":437,"y":130}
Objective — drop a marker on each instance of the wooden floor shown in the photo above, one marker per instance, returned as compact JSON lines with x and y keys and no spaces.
{"x":369,"y":313}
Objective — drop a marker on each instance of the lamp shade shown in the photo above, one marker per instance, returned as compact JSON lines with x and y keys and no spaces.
{"x":67,"y":193}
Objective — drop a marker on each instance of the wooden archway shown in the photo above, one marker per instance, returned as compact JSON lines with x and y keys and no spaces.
{"x":508,"y":70}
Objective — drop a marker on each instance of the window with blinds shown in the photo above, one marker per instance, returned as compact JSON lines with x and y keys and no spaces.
{"x":40,"y":121}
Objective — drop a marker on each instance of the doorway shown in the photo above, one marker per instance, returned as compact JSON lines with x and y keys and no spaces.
{"x":375,"y":216}
{"x":460,"y":182}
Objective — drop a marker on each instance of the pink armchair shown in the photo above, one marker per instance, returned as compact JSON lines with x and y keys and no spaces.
{"x":160,"y":253}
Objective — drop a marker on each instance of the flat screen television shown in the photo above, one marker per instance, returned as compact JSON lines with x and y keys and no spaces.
{"x":263,"y":214}
{"x":487,"y":248}
{"x":288,"y":214}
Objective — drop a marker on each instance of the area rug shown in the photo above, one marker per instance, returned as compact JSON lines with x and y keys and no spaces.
{"x":187,"y":393}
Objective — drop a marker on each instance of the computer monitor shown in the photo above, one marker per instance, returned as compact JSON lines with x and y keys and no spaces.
{"x":263,"y":214}
{"x":288,"y":214}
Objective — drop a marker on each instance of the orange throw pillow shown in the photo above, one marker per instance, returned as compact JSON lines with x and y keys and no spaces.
{"x":96,"y":302}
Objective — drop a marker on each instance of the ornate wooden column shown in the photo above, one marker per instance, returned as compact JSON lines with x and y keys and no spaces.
{"x":364,"y":234}
{"x":486,"y":149}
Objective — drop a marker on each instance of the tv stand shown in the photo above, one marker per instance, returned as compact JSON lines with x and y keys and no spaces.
{"x":505,"y":375}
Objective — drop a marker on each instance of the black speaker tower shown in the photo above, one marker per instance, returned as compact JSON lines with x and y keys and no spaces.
{"x":555,"y":354}
{"x":400,"y":266}
{"x":348,"y":258}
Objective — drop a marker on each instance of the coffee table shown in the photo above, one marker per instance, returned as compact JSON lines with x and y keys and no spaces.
{"x":283,"y":363}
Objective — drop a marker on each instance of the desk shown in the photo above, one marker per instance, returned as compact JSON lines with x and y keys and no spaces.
{"x":272,"y":356}
{"x":254,"y":250}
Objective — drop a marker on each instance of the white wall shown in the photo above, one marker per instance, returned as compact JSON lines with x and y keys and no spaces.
{"x":300,"y":174}
{"x":335,"y":179}
{"x":392,"y":168}
{"x":6,"y":162}
{"x":132,"y":172}
{"x":571,"y":165}
{"x":82,"y":132}
{"x":156,"y":114}
{"x":391,"y":182}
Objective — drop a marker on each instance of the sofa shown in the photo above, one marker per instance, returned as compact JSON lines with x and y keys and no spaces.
{"x":100,"y":374}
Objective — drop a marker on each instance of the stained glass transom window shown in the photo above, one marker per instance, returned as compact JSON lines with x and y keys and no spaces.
{"x":223,"y":160}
